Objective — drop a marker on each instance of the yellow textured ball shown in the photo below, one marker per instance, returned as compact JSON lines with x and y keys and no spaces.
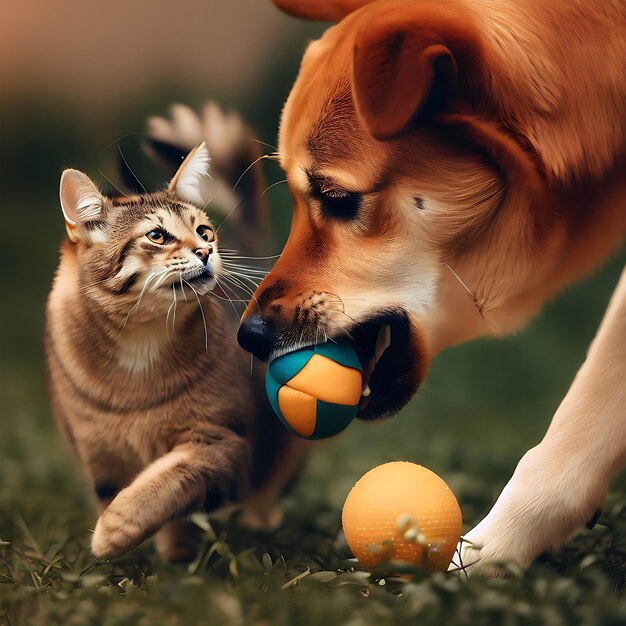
{"x":402,"y":511}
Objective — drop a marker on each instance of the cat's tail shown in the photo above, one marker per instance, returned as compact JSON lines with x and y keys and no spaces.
{"x":235,"y":162}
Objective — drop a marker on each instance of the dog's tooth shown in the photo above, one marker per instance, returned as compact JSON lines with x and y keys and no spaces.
{"x":383,"y":341}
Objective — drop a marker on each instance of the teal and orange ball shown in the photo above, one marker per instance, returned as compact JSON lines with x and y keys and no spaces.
{"x":315,"y":391}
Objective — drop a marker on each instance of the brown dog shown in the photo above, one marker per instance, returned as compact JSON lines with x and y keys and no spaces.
{"x":453,"y":164}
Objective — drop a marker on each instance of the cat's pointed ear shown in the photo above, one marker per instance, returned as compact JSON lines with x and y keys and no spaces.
{"x":81,"y":202}
{"x":192,"y":181}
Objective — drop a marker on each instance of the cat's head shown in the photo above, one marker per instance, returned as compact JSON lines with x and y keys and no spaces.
{"x":149,"y":249}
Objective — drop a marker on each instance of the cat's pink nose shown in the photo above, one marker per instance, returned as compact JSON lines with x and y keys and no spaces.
{"x":203,"y":254}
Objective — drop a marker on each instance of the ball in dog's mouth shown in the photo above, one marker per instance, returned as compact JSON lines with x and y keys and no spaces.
{"x":391,"y":353}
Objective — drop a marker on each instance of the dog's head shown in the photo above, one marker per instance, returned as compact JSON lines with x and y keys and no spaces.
{"x":414,"y":219}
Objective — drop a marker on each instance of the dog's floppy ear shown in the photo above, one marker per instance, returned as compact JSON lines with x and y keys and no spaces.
{"x":321,"y":10}
{"x":407,"y":57}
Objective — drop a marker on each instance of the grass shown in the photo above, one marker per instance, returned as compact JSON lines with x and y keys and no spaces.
{"x":300,"y":575}
{"x":469,"y":424}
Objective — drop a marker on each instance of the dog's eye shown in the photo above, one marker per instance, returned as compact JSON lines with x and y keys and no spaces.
{"x":342,"y":205}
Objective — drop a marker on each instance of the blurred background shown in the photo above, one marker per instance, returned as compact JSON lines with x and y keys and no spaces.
{"x":77,"y":81}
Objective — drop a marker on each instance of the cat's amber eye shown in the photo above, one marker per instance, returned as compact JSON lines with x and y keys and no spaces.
{"x":206,"y":232}
{"x":156,"y":236}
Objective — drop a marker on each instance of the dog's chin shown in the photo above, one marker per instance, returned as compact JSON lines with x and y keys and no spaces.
{"x":393,"y":360}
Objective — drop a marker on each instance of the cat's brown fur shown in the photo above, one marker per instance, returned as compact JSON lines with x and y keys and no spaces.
{"x":154,"y":397}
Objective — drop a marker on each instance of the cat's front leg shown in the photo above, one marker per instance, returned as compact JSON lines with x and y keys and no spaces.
{"x":108,"y":473}
{"x":198,"y":474}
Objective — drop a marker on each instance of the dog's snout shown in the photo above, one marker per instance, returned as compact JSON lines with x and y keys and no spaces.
{"x":256,"y":336}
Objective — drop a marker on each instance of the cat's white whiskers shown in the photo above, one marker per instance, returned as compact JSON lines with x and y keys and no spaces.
{"x":206,"y":332}
{"x":138,"y":303}
{"x":277,"y":154}
{"x":280,"y":182}
{"x":212,"y":294}
{"x":130,"y":169}
{"x":228,"y":215}
{"x":112,"y":183}
{"x":252,"y":296}
{"x":237,"y":285}
{"x":167,"y":317}
{"x":180,"y":277}
{"x":238,"y":263}
{"x":242,"y":285}
{"x":254,"y":273}
{"x":161,"y":279}
{"x":246,"y":278}
{"x":231,"y":272}
{"x":263,"y":156}
{"x":224,"y":286}
{"x":245,"y":270}
{"x":232,"y":255}
{"x":168,"y":272}
{"x":264,"y":143}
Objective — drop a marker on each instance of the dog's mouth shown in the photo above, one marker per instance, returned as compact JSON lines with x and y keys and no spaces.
{"x":392,"y":363}
{"x":392,"y":358}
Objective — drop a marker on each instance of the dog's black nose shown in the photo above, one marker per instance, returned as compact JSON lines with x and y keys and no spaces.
{"x":256,"y":335}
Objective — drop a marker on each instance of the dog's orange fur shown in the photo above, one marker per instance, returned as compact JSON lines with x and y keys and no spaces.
{"x":506,"y":119}
{"x":524,"y":148}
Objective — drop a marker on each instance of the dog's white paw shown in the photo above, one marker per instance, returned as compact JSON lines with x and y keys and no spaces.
{"x":546,"y":501}
{"x":484,"y":549}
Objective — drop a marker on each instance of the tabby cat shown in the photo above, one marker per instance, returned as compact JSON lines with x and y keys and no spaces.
{"x":147,"y":383}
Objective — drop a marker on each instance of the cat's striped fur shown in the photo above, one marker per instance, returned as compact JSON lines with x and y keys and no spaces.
{"x":146,"y":380}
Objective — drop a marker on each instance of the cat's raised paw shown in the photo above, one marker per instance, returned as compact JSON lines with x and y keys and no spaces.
{"x":115,"y":534}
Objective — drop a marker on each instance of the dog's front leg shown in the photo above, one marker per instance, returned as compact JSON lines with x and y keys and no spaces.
{"x":559,"y":485}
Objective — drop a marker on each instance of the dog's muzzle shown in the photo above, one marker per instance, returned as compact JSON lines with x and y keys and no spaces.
{"x":255,"y":335}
